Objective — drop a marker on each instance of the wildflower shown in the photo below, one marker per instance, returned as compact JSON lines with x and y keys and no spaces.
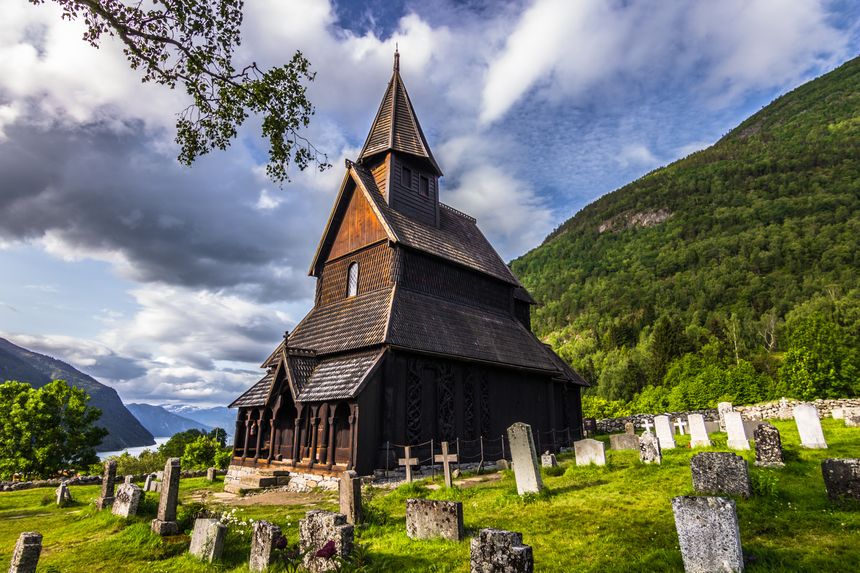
{"x":327,"y":551}
{"x":281,"y":542}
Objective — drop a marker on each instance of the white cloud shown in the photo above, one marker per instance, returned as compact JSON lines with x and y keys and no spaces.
{"x":636,"y":155}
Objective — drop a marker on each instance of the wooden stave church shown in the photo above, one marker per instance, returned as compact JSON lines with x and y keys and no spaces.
{"x":419,"y":330}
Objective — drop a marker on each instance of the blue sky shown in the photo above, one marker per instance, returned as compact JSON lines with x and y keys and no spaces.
{"x":172,"y":283}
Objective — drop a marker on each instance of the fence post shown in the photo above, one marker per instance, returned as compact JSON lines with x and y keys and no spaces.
{"x":432,"y":462}
{"x":387,"y":455}
{"x":540,"y":451}
{"x":481,"y":463}
{"x":457,"y":443}
{"x":569,"y":441}
{"x":503,"y":447}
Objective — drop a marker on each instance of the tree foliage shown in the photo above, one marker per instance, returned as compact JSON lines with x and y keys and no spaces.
{"x":46,"y":430}
{"x":191,"y":43}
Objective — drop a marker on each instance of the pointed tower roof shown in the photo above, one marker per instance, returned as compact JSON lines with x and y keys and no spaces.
{"x":396,"y":127}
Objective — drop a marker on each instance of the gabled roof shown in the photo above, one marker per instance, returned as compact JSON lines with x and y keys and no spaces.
{"x":341,"y":377}
{"x":396,"y":126}
{"x":257,"y":394}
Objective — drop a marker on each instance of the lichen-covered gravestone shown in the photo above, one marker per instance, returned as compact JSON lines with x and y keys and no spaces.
{"x":147,"y":484}
{"x":649,"y":449}
{"x":64,"y":496}
{"x":626,"y":441}
{"x":737,"y":436}
{"x":708,"y":533}
{"x":323,"y":535}
{"x":428,"y":518}
{"x":25,"y":558}
{"x":207,"y":539}
{"x":698,"y":431}
{"x":841,"y":477}
{"x":210,"y":474}
{"x":590,"y":452}
{"x":720,"y":473}
{"x":524,"y":458}
{"x":165,"y":523}
{"x":350,"y":496}
{"x":127,"y":500}
{"x":722,"y":408}
{"x":266,"y":536}
{"x":768,"y":446}
{"x":500,"y":551}
{"x":105,"y":500}
{"x":663,"y":428}
{"x":548,"y":460}
{"x":809,"y":426}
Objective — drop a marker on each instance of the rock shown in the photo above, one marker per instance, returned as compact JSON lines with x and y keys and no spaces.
{"x":708,"y":534}
{"x":841,"y":477}
{"x":720,"y":473}
{"x":499,"y":551}
{"x":590,"y":452}
{"x":207,"y":539}
{"x":427,"y":519}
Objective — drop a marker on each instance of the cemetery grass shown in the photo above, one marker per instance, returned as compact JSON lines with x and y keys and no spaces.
{"x":615,"y":518}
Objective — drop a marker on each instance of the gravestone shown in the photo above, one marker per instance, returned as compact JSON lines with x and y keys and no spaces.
{"x":712,"y":426}
{"x":649,"y":449}
{"x":25,"y":557}
{"x":768,"y":446}
{"x":147,"y":484}
{"x":524,"y":458}
{"x":590,"y":452}
{"x":429,"y":518}
{"x":680,"y":424}
{"x":108,"y":478}
{"x":350,"y":496}
{"x":720,"y":473}
{"x":629,"y":428}
{"x":128,"y":480}
{"x":663,"y":428}
{"x":500,"y":551}
{"x":548,"y":460}
{"x":737,"y":436}
{"x":165,"y":523}
{"x":838,"y":413}
{"x":446,"y":460}
{"x":408,"y":461}
{"x":784,"y":412}
{"x":809,"y":426}
{"x":708,"y":534}
{"x":722,"y":408}
{"x":624,"y":441}
{"x":698,"y":431}
{"x":64,"y":496}
{"x":841,"y":478}
{"x":127,"y":500}
{"x":647,"y":425}
{"x":503,"y":464}
{"x":324,"y":533}
{"x":210,"y":474}
{"x":263,"y":542}
{"x":851,"y":416}
{"x":207,"y":539}
{"x":750,"y":427}
{"x":589,"y":426}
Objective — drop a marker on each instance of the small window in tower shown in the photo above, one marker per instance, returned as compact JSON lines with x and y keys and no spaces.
{"x":424,"y":187}
{"x":407,"y":178}
{"x":352,"y":283}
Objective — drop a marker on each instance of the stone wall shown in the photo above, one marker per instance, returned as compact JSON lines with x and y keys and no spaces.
{"x":616,"y":425}
{"x":87,"y":480}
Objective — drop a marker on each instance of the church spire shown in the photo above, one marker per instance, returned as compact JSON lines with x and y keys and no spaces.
{"x":396,"y":126}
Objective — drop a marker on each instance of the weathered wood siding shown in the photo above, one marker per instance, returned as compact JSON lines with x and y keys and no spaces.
{"x":374,"y":272}
{"x":407,"y":198}
{"x":358,"y":227}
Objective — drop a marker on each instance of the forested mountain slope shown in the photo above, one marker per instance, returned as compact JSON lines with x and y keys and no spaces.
{"x":124,"y":431}
{"x":730,"y":267}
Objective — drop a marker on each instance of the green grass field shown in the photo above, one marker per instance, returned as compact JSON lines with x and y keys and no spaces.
{"x":615,"y":518}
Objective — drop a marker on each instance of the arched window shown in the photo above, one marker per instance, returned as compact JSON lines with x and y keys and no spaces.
{"x":352,"y":280}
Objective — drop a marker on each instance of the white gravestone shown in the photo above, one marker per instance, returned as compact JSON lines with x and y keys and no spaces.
{"x":722,"y":408}
{"x":698,"y":431}
{"x":736,"y":432}
{"x":127,"y":500}
{"x":590,"y":452}
{"x":809,"y":426}
{"x":838,"y":413}
{"x":663,"y":428}
{"x":647,"y":425}
{"x":680,"y":424}
{"x":524,"y":458}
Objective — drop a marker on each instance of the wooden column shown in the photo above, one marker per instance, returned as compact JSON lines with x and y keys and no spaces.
{"x":332,"y":433}
{"x":297,"y":432}
{"x":272,"y":430}
{"x":247,"y":430}
{"x":313,"y":436}
{"x":260,"y":413}
{"x":322,"y":439}
{"x":353,"y":435}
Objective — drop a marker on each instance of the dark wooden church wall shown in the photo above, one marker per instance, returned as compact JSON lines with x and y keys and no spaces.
{"x":369,"y":426}
{"x":408,"y":198}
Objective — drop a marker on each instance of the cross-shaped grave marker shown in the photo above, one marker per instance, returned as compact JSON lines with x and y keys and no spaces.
{"x":408,"y":461}
{"x":647,"y":425}
{"x":680,"y":424}
{"x":446,"y":460}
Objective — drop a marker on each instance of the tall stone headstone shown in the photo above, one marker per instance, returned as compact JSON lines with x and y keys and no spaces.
{"x":263,"y":544}
{"x":210,"y":474}
{"x":500,"y":551}
{"x":547,"y":460}
{"x":663,"y":429}
{"x":809,"y":426}
{"x":841,"y":477}
{"x":590,"y":452}
{"x":737,"y":435}
{"x":708,"y":533}
{"x":64,"y":496}
{"x":350,"y":496}
{"x":127,"y":500}
{"x":430,"y":518}
{"x":720,"y":473}
{"x":698,"y":432}
{"x":722,"y":408}
{"x":147,"y":484}
{"x":207,"y":539}
{"x":524,"y":458}
{"x":322,"y":535}
{"x":768,"y":446}
{"x":649,"y":449}
{"x":165,"y":523}
{"x":25,"y":557}
{"x":105,"y":500}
